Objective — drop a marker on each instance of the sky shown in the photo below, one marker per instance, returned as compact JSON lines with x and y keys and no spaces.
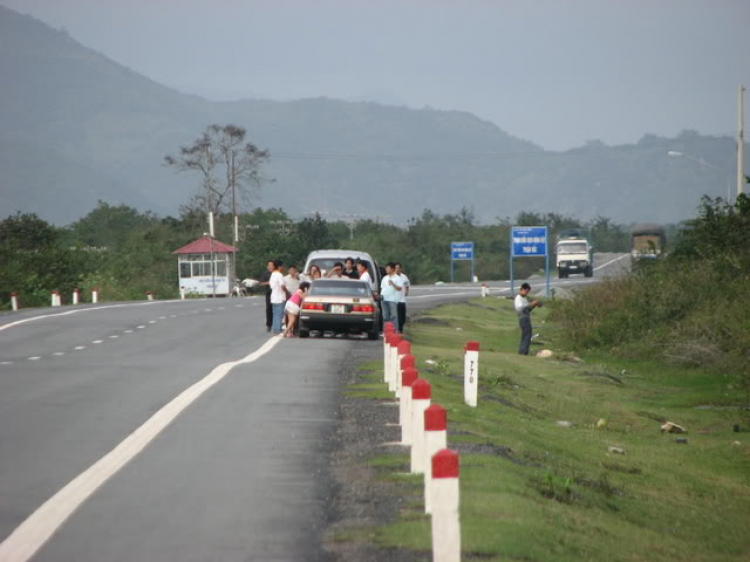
{"x":559,"y":73}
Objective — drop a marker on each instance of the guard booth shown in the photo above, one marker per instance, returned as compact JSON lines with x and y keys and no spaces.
{"x":205,"y":267}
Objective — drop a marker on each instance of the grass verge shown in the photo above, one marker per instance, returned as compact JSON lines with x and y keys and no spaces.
{"x":534,"y":489}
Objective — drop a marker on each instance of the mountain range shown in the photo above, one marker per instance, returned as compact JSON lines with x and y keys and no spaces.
{"x":76,"y":127}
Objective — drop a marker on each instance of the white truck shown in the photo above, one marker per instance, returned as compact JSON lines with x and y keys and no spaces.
{"x":574,"y":255}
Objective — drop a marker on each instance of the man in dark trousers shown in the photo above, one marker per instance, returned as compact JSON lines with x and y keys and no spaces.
{"x":264,"y":282}
{"x":523,"y":309}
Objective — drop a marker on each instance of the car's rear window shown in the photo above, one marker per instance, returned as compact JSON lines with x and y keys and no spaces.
{"x":339,"y":288}
{"x":326,"y":264}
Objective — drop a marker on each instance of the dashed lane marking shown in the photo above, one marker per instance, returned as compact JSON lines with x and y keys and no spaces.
{"x":98,"y":341}
{"x":113,"y":337}
{"x":35,"y":358}
{"x":79,"y":347}
{"x":59,"y":353}
{"x":128,"y":332}
{"x":140,"y":327}
{"x":152,"y":321}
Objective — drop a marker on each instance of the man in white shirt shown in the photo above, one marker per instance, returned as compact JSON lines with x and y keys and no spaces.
{"x":404,"y":280}
{"x":523,"y":309}
{"x":390,"y":290}
{"x":278,"y":297}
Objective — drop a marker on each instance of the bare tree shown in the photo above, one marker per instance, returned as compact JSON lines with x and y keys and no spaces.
{"x":229,"y":166}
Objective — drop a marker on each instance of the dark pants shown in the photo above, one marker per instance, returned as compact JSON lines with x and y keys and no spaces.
{"x":401,"y":316}
{"x":269,"y":311}
{"x":525,"y":323}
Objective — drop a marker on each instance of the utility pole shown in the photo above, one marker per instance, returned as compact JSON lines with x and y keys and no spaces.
{"x":740,"y":139}
{"x":209,"y":210}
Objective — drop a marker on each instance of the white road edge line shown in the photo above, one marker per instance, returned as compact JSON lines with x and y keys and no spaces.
{"x":36,"y":530}
{"x":611,"y":261}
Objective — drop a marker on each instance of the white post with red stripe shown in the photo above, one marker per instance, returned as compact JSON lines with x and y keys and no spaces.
{"x":55,"y":298}
{"x":14,"y":301}
{"x":388,"y":330}
{"x":435,"y":439}
{"x":420,"y":401}
{"x":403,"y":350}
{"x":182,"y":293}
{"x":485,"y":290}
{"x":471,"y":373}
{"x":446,"y":527}
{"x":393,"y":360}
{"x":95,"y":295}
{"x":149,"y":295}
{"x":408,"y":377}
{"x":76,"y":296}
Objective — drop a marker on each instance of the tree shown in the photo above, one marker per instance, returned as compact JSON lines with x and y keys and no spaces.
{"x":229,"y":168}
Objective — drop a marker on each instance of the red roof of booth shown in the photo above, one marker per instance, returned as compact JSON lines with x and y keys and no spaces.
{"x":206,"y":245}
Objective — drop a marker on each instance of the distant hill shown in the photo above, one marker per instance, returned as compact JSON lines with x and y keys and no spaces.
{"x":76,"y":127}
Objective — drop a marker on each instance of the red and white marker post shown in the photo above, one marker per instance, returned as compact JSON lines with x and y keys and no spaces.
{"x":485,"y":290}
{"x":393,"y":360}
{"x":95,"y":295}
{"x":408,"y":376}
{"x":182,"y":293}
{"x":435,"y":439}
{"x":14,"y":301}
{"x":76,"y":296}
{"x":149,"y":295}
{"x":420,"y":401}
{"x":56,"y":298}
{"x":387,"y":333}
{"x":446,"y":528}
{"x":471,"y":373}
{"x":402,"y":350}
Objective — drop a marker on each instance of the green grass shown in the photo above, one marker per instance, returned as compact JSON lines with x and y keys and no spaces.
{"x":537,"y":491}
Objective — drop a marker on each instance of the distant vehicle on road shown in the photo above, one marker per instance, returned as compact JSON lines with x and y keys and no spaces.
{"x":647,"y":241}
{"x":341,"y":306}
{"x":575,"y":254}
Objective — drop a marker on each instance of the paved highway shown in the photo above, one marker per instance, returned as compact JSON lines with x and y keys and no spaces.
{"x":171,"y":430}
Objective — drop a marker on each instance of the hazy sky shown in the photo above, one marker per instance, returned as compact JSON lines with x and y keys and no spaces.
{"x":556,"y":72}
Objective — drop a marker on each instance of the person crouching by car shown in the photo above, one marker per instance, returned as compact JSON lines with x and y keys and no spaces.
{"x":390,"y":290}
{"x":292,"y":308}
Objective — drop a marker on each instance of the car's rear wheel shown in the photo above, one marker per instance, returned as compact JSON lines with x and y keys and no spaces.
{"x":373,"y":335}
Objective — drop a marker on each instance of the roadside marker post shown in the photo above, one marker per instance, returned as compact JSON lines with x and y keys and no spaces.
{"x":420,"y":401}
{"x":446,"y":528}
{"x":14,"y":301}
{"x":393,"y":359}
{"x":471,"y":373}
{"x":485,"y":290}
{"x":95,"y":295}
{"x":408,"y":378}
{"x":149,"y":295}
{"x":56,"y":298}
{"x":404,"y":362}
{"x":435,"y":439}
{"x":402,"y":350}
{"x":76,"y":296}
{"x":387,"y":333}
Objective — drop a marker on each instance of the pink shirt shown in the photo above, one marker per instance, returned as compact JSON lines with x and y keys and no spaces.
{"x":296,"y":298}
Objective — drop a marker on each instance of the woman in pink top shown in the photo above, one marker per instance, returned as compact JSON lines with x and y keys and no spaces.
{"x":292,"y":308}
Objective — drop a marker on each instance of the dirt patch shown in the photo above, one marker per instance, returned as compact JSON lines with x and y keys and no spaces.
{"x":360,"y":499}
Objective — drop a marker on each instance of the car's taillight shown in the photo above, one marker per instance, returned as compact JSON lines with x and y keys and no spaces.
{"x":363,"y":308}
{"x":312,"y":306}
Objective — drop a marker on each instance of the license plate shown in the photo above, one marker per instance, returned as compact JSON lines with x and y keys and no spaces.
{"x":338,"y":308}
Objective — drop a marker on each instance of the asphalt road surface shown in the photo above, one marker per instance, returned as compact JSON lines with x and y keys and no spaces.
{"x":173,"y":430}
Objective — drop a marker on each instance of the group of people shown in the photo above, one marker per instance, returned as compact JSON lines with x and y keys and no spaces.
{"x":284,"y":293}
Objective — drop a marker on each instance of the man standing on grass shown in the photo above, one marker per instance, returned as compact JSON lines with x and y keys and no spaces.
{"x":390,"y":289}
{"x":523,"y":309}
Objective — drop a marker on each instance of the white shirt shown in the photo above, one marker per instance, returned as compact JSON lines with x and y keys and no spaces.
{"x":278,"y":294}
{"x":521,"y":303}
{"x":291,"y":283}
{"x":366,"y":277}
{"x":404,"y":282}
{"x":390,"y":294}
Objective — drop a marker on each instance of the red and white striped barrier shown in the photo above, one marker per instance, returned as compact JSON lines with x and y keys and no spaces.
{"x":420,"y":401}
{"x":14,"y":301}
{"x":76,"y":296}
{"x":95,"y":295}
{"x":446,"y":529}
{"x":149,"y":295}
{"x":471,"y":373}
{"x":435,"y":439}
{"x":56,"y":298}
{"x":408,"y":377}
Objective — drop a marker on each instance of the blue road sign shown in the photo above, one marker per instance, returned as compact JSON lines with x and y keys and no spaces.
{"x":462,"y":250}
{"x":529,"y":241}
